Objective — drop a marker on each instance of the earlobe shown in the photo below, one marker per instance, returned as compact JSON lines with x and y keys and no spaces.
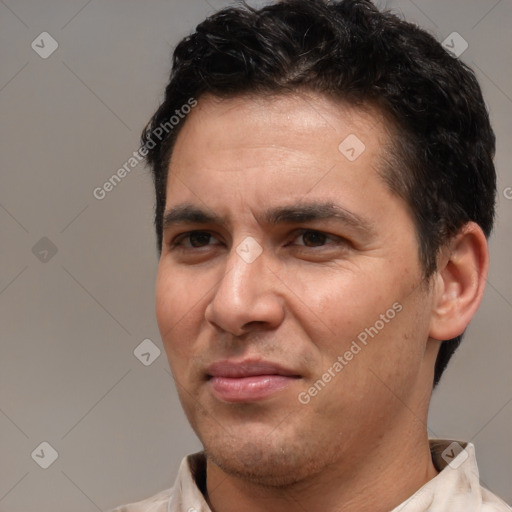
{"x":460,"y":282}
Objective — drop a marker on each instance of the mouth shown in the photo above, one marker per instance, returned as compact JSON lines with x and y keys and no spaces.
{"x":248,"y":381}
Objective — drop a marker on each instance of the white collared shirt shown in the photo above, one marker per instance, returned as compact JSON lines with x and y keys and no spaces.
{"x":455,"y":489}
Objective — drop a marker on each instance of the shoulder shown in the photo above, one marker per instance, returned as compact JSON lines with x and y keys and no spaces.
{"x":491,"y":502}
{"x":157,"y":503}
{"x":187,"y":488}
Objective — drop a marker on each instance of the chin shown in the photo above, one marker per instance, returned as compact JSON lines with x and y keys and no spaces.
{"x":268,"y":462}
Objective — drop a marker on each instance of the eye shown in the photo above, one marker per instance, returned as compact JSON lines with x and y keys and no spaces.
{"x":192,"y":240}
{"x":312,"y":238}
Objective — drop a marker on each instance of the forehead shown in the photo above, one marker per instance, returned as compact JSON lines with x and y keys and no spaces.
{"x":302,"y":122}
{"x":276,"y":149}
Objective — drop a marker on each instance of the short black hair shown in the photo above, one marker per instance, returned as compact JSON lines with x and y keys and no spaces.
{"x":443,"y":145}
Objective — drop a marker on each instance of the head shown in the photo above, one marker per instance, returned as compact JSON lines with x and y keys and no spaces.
{"x":265,"y":100}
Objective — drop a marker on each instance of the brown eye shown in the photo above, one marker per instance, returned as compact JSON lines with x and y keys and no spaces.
{"x":199,"y":238}
{"x":192,"y":240}
{"x":314,"y":238}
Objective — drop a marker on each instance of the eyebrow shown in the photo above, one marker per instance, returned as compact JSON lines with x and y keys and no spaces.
{"x":289,"y":214}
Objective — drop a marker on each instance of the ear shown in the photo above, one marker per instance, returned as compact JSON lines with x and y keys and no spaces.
{"x":459,"y":282}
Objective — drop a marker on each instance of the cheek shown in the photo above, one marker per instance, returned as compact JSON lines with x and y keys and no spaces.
{"x":346,"y":302}
{"x":177,"y":292}
{"x":368,"y":313}
{"x":165,"y":303}
{"x":176,"y":309}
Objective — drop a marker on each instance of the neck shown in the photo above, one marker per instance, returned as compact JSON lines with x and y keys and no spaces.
{"x":382,"y":481}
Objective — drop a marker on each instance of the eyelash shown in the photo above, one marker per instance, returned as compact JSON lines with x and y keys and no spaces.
{"x":176,"y":242}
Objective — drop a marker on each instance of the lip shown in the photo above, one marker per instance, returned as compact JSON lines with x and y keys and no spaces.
{"x":248,"y":381}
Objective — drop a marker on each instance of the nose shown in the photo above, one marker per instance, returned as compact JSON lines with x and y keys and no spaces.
{"x":247,"y":296}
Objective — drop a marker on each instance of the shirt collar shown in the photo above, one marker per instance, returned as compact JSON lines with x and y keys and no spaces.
{"x":455,"y":489}
{"x":457,"y":486}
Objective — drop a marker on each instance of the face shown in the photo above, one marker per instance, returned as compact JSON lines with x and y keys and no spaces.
{"x":289,"y":291}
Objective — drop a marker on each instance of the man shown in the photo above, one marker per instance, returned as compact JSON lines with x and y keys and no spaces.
{"x":324,"y":193}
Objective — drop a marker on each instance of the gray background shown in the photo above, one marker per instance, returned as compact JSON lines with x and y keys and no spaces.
{"x":70,"y":324}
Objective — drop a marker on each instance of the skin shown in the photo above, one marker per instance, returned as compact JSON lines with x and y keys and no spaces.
{"x":361,"y":443}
